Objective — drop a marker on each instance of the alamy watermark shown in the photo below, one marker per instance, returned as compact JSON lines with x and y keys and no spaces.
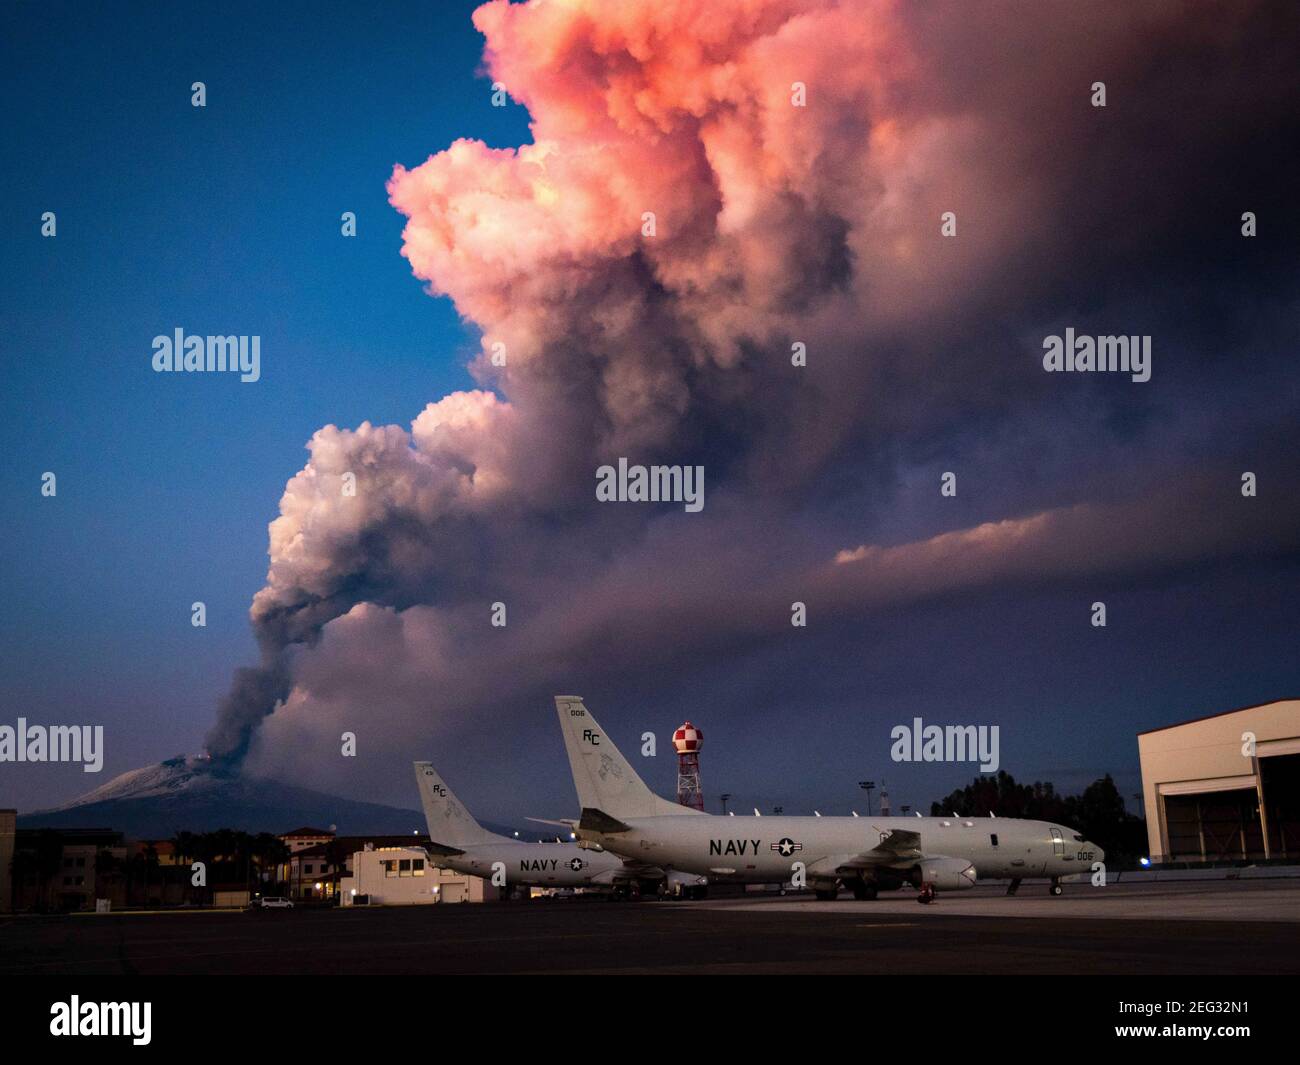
{"x":1089,"y":354}
{"x":946,"y":743}
{"x":57,"y":743}
{"x":651,"y":484}
{"x":77,"y":1018}
{"x":179,"y":353}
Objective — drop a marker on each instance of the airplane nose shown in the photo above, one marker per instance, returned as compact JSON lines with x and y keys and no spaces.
{"x":1099,"y":855}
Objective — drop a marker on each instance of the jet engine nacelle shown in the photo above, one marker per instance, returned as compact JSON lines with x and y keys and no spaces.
{"x":945,"y":874}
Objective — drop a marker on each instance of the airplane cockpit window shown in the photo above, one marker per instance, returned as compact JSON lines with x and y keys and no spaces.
{"x":1078,"y":838}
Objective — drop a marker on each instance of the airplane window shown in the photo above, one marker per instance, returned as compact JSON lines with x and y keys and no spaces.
{"x":993,"y":838}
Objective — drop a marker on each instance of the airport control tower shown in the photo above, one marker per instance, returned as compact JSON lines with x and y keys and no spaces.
{"x":687,"y":740}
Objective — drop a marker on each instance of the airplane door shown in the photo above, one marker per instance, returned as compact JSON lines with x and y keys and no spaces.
{"x":1058,"y":844}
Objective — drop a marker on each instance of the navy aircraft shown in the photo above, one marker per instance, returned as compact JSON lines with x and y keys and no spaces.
{"x":865,"y":854}
{"x":462,"y":844}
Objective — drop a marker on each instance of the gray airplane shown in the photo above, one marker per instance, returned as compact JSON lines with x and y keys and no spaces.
{"x":622,"y":815}
{"x":462,"y":844}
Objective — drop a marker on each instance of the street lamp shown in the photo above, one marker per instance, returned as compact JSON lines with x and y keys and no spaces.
{"x":868,"y":786}
{"x":724,"y":797}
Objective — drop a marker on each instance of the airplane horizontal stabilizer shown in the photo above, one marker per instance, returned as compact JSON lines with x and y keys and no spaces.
{"x":594,"y":820}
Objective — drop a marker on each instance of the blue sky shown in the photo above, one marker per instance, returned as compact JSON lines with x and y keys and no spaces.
{"x":222,"y":219}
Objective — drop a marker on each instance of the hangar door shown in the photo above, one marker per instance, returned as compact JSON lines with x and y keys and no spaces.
{"x":1280,"y":781}
{"x":1214,"y":826}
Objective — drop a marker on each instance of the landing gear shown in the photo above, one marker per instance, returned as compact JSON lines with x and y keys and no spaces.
{"x":1014,"y":886}
{"x":827,"y":894}
{"x":926,"y":895}
{"x":1056,"y":888}
{"x":864,"y":890}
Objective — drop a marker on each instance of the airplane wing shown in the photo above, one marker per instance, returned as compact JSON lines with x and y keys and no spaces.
{"x":896,"y":846}
{"x":569,"y":823}
{"x":441,"y":850}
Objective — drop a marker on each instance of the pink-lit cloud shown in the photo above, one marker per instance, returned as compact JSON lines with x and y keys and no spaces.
{"x":774,"y":223}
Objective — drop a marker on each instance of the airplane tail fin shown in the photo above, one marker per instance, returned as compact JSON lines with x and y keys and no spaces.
{"x":449,"y":822}
{"x":603,"y":777}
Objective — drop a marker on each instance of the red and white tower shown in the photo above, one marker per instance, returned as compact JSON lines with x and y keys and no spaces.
{"x":687,"y":740}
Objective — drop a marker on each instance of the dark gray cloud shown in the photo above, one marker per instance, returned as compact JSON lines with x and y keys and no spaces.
{"x":821,"y":225}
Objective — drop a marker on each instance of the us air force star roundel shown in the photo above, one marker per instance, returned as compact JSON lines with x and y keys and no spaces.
{"x":576,"y":864}
{"x":787,"y":847}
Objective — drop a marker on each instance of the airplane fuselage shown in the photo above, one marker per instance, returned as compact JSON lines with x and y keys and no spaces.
{"x":764,"y":849}
{"x":537,"y":864}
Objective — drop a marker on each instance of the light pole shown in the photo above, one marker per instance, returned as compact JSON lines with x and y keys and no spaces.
{"x":867,"y":786}
{"x":724,"y":797}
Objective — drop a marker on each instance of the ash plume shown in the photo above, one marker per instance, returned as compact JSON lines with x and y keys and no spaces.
{"x":773,"y":224}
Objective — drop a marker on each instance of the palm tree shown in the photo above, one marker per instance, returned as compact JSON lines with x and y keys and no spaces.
{"x":244,"y":854}
{"x":336,"y":855}
{"x":270,"y":852}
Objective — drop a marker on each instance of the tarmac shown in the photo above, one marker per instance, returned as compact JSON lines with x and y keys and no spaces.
{"x":1225,"y":927}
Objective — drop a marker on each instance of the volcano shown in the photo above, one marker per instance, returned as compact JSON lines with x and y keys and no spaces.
{"x":188,"y":794}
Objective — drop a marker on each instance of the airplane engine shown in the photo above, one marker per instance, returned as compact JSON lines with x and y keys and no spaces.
{"x":944,"y":874}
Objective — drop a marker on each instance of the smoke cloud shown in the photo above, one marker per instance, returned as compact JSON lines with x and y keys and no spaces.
{"x":678,"y":222}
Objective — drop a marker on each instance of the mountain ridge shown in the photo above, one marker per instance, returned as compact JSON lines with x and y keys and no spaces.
{"x":188,"y":794}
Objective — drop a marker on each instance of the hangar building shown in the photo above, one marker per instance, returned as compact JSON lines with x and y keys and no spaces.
{"x":1225,"y":787}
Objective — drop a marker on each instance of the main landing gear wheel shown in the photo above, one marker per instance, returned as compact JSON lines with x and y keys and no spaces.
{"x":829,"y":894}
{"x":926,"y":895}
{"x":863,"y":891}
{"x":1056,"y":888}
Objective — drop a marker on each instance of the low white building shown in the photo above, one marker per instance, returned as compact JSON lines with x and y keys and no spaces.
{"x":403,"y":876}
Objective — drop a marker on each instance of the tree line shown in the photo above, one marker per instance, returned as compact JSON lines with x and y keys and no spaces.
{"x":1098,"y":812}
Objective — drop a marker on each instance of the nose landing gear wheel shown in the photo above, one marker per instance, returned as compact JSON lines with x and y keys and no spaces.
{"x":926,"y":895}
{"x":1056,"y":888}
